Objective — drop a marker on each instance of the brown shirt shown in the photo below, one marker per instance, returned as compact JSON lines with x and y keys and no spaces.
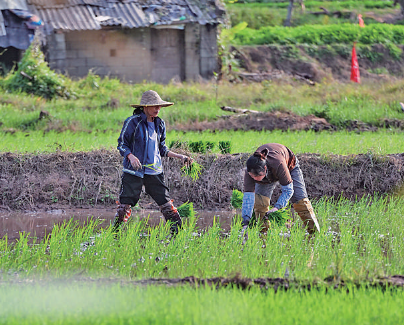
{"x":280,"y":161}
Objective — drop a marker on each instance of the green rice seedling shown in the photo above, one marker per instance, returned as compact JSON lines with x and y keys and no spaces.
{"x":225,"y":146}
{"x":236,"y":199}
{"x":192,"y":170}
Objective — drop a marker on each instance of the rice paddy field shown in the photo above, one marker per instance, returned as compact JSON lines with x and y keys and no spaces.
{"x":83,"y":273}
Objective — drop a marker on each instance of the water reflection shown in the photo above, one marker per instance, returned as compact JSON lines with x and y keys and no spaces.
{"x":41,"y":223}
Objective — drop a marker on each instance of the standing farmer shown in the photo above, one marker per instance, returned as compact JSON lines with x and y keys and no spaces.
{"x":272,"y":163}
{"x":142,"y":144}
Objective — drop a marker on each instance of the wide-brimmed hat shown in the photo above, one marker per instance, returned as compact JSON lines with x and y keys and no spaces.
{"x":151,"y":98}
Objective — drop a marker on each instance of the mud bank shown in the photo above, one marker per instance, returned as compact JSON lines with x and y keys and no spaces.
{"x":317,"y":63}
{"x":92,"y":179}
{"x":237,"y":281}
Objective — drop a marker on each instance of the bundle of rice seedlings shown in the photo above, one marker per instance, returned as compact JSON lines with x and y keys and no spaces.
{"x":192,"y":170}
{"x":279,"y":217}
{"x":186,"y":210}
{"x":197,"y":146}
{"x":237,"y":199}
{"x":209,"y":145}
{"x":225,"y":146}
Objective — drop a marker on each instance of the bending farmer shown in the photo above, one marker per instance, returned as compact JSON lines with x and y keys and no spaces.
{"x":142,"y":144}
{"x":272,"y":163}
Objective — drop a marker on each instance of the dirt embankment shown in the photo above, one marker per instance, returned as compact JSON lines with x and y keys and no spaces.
{"x":317,"y":63}
{"x":285,"y":121}
{"x":93,"y":179}
{"x":262,"y":121}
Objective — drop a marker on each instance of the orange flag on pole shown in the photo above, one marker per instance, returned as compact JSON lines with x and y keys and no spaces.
{"x":355,"y":77}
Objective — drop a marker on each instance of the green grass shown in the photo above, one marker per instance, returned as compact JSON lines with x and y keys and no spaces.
{"x":358,"y":241}
{"x":85,"y":303}
{"x":343,"y":143}
{"x":339,"y":103}
{"x":258,"y":15}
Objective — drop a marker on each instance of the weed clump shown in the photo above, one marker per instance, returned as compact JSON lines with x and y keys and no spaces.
{"x":34,"y":76}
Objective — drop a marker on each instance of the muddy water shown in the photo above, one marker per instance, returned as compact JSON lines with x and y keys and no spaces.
{"x":41,"y":223}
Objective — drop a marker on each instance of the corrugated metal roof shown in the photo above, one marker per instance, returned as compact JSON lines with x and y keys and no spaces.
{"x":65,"y":3}
{"x":13,"y":4}
{"x":92,"y":14}
{"x":69,"y":18}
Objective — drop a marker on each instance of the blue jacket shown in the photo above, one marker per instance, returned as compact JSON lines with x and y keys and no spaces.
{"x":134,"y":138}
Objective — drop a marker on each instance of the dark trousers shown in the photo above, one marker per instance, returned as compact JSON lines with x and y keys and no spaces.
{"x":131,"y":188}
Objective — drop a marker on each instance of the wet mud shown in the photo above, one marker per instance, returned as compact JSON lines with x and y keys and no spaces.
{"x":40,"y":223}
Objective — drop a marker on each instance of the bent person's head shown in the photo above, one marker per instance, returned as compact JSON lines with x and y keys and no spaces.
{"x":256,"y":165}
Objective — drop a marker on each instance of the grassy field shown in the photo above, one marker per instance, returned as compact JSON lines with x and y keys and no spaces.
{"x":91,"y":109}
{"x":97,"y":303}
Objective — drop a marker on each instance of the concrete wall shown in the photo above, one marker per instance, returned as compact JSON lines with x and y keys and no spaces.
{"x":208,"y":50}
{"x":168,"y":54}
{"x":192,"y":55}
{"x":137,"y":54}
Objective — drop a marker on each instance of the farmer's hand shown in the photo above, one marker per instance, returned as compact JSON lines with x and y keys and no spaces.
{"x":134,"y":161}
{"x":270,"y":211}
{"x":186,"y":160}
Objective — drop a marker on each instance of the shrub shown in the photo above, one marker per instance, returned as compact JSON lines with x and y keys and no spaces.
{"x":34,"y":76}
{"x":395,"y":51}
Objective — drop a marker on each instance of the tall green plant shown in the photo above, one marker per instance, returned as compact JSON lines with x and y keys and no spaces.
{"x":34,"y":76}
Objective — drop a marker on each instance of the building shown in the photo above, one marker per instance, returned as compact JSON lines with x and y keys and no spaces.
{"x":17,"y":29}
{"x":133,"y":40}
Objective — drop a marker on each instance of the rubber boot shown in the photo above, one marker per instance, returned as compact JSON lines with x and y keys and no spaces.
{"x":261,"y":207}
{"x":170,"y":213}
{"x":122,"y":215}
{"x":305,"y":211}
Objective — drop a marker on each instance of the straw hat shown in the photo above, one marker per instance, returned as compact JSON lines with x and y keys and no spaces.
{"x":151,"y":98}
